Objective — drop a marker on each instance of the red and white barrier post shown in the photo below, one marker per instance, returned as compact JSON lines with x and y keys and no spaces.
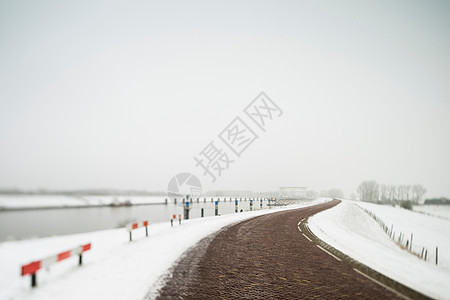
{"x":33,"y":267}
{"x":174,"y":217}
{"x":136,"y":225}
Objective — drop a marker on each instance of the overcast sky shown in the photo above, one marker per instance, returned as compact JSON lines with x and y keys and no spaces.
{"x":121,"y":94}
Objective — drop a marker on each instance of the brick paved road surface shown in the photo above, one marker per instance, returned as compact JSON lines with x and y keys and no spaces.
{"x":267,"y":258}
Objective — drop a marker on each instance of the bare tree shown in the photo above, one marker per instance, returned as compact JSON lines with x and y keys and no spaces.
{"x":417,"y":193}
{"x":407,"y":191}
{"x":368,"y":191}
{"x":384,"y":193}
{"x":392,"y":193}
{"x":401,"y":192}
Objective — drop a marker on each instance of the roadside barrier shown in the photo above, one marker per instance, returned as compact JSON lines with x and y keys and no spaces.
{"x":174,"y":217}
{"x":136,"y":225}
{"x":33,"y":267}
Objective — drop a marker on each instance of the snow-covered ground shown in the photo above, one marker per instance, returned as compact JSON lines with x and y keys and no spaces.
{"x":351,"y":230}
{"x":43,"y":201}
{"x":114,"y":268}
{"x":442,"y":211}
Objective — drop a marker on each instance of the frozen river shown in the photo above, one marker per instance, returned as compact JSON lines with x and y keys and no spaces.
{"x":24,"y":224}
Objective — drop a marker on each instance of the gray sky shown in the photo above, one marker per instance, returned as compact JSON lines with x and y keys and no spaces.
{"x":124,"y":94}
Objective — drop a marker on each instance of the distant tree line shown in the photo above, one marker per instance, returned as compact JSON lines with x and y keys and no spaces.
{"x":371,"y":191}
{"x":444,"y":201}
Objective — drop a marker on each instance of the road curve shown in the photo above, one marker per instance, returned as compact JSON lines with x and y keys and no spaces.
{"x":267,"y":257}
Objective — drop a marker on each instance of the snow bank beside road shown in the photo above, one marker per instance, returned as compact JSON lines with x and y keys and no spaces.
{"x":114,"y":268}
{"x":349,"y":229}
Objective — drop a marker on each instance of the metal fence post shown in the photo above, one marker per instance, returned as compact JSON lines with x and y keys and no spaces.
{"x":33,"y":280}
{"x":216,"y":208}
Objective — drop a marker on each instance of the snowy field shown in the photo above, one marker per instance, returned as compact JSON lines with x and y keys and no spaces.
{"x":442,"y":211}
{"x":351,"y":230}
{"x":114,"y":268}
{"x":46,"y":201}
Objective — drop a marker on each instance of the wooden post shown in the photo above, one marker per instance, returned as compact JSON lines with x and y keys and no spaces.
{"x":146,"y":231}
{"x":410,"y":244}
{"x":80,"y":259}
{"x":131,"y":238}
{"x":436,"y":256}
{"x":203,"y":212}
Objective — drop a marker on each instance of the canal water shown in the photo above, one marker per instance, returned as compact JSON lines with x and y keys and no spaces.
{"x":26,"y":224}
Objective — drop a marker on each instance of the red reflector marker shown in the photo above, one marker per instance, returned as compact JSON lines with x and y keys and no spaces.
{"x":31,"y":268}
{"x":86,"y":247}
{"x":63,"y":255}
